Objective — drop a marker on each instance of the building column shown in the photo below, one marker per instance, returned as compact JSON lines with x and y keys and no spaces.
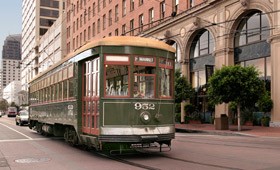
{"x":223,"y":57}
{"x":275,"y":69}
{"x":275,"y":80}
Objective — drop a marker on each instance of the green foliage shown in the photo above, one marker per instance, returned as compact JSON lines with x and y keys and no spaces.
{"x":235,"y":84}
{"x":3,"y":104}
{"x":178,"y":117}
{"x":177,"y":107}
{"x":183,"y":89}
{"x":265,"y":121}
{"x":189,"y":108}
{"x":265,"y":103}
{"x":233,"y":107}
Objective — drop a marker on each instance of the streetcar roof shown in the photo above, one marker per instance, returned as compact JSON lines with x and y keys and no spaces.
{"x":114,"y":41}
{"x":124,"y":41}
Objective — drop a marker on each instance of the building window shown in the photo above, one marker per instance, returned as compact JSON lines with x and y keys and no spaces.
{"x":116,"y":32}
{"x":123,"y":29}
{"x":81,"y":38}
{"x":81,"y":20}
{"x":85,"y":35}
{"x":93,"y":29}
{"x":104,"y":3}
{"x":104,"y":22}
{"x":77,"y":6}
{"x":141,"y":2}
{"x":192,"y":3}
{"x":176,"y":6}
{"x":123,"y":7}
{"x":131,"y":5}
{"x":132,"y":27}
{"x":151,"y":17}
{"x":98,"y":5}
{"x":73,"y":44}
{"x":74,"y":24}
{"x":253,"y":28}
{"x":201,"y":55}
{"x":116,"y":13}
{"x":93,"y":9}
{"x":203,"y":44}
{"x":110,"y":17}
{"x":98,"y":26}
{"x":89,"y":10}
{"x":251,"y":47}
{"x":141,"y":22}
{"x":77,"y":41}
{"x":162,"y":10}
{"x":85,"y":16}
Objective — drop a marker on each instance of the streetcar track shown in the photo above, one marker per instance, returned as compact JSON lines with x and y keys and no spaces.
{"x":199,"y":163}
{"x":190,"y":161}
{"x":126,"y":161}
{"x":232,"y":145}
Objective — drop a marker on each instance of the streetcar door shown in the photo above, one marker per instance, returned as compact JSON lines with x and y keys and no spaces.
{"x":90,"y":98}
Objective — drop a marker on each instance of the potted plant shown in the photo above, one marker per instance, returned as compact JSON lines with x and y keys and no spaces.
{"x":265,"y":104}
{"x":192,"y":116}
{"x":247,"y":116}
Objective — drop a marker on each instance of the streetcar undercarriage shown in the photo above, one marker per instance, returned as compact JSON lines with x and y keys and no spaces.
{"x":114,"y":144}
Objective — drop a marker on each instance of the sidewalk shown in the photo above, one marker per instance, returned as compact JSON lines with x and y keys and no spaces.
{"x":257,"y":131}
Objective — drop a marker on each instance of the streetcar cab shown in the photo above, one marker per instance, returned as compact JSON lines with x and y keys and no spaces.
{"x":137,"y":103}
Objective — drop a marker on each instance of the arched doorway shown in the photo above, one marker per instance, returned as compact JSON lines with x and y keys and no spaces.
{"x":201,"y":67}
{"x":252,"y":49}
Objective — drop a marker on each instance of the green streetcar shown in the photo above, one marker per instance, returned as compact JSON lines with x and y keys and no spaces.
{"x":114,"y":93}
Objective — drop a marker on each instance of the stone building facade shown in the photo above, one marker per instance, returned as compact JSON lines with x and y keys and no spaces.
{"x":207,"y":34}
{"x":221,"y":33}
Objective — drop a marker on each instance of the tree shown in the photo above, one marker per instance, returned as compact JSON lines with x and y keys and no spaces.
{"x":235,"y":84}
{"x":3,"y":104}
{"x":183,"y":89}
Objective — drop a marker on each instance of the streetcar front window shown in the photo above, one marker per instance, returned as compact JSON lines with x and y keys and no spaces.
{"x":116,"y":80}
{"x":144,"y":82}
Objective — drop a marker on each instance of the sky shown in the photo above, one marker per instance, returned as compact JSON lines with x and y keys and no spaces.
{"x":10,"y":16}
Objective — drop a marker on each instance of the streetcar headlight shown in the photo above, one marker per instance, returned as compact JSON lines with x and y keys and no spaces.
{"x":145,"y":117}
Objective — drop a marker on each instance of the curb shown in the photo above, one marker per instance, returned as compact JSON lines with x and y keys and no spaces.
{"x":221,"y":133}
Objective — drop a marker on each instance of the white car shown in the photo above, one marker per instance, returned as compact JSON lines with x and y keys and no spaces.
{"x":22,"y":117}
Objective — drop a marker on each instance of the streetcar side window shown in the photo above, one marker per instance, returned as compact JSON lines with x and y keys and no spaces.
{"x":71,"y":88}
{"x":166,"y":78}
{"x":165,"y":82}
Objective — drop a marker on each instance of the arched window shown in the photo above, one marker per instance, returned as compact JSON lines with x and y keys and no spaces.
{"x":201,"y":51}
{"x":203,"y":44}
{"x":251,"y":47}
{"x":252,"y":28}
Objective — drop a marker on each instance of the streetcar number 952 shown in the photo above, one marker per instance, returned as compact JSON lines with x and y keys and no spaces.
{"x":144,"y":106}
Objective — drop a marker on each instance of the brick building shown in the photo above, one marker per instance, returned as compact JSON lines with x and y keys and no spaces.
{"x":207,"y":32}
{"x":92,"y":19}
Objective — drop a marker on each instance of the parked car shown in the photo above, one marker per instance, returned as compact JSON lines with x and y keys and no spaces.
{"x":22,"y":117}
{"x":12,"y":111}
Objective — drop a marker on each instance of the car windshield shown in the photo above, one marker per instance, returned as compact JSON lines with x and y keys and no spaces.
{"x":23,"y":113}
